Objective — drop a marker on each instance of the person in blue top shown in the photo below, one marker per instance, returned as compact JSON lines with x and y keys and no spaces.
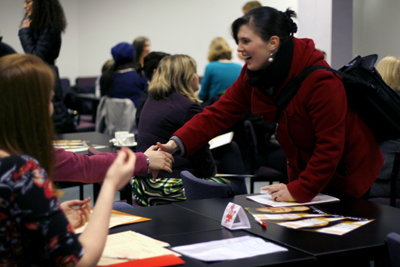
{"x":220,"y":73}
{"x":122,"y":80}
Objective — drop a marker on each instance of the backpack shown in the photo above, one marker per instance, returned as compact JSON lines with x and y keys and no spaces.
{"x":374,"y":101}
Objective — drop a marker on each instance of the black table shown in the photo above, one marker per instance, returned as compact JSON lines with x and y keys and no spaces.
{"x":362,"y":244}
{"x":178,"y":226}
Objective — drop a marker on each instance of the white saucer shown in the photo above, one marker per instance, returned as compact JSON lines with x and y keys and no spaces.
{"x":117,"y":144}
{"x":128,"y":145}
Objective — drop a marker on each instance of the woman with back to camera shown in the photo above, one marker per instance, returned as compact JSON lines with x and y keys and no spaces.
{"x":171,"y":103}
{"x":149,"y":68}
{"x":220,"y":73}
{"x":327,"y":145}
{"x":122,"y":80}
{"x":33,"y":228}
{"x":40,"y":35}
{"x":389,"y":69}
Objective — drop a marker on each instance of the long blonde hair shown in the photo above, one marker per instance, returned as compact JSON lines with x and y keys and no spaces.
{"x":173,"y":74}
{"x":219,"y":49}
{"x":26,"y":83}
{"x":389,"y":69}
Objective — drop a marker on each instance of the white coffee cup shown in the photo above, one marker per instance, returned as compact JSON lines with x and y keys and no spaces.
{"x":128,"y":139}
{"x":119,"y":135}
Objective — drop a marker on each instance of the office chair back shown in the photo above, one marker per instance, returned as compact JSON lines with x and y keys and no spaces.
{"x":393,"y":245}
{"x":393,"y":179}
{"x":115,"y":114}
{"x":392,"y":200}
{"x":261,"y":173}
{"x":196,"y":188}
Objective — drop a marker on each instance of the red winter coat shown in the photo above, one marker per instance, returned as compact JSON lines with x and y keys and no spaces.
{"x":317,"y":128}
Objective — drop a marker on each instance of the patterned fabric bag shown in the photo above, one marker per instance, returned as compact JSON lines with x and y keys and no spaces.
{"x":150,"y":192}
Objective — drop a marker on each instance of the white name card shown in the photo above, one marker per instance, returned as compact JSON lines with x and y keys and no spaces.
{"x":231,"y":214}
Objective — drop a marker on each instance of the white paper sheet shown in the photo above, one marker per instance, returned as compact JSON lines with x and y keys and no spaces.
{"x":266,"y":199}
{"x":221,"y":140}
{"x":229,"y":249}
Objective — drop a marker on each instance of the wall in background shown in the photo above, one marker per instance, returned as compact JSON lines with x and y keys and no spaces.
{"x":376,"y":28}
{"x":173,"y":26}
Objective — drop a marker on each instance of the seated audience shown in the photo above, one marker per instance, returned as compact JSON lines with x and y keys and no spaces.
{"x":106,"y":67}
{"x":250,"y":6}
{"x":150,"y":65}
{"x":142,"y":48}
{"x":35,"y":230}
{"x":389,"y":69}
{"x":220,"y":73}
{"x":122,"y":80}
{"x":171,"y":103}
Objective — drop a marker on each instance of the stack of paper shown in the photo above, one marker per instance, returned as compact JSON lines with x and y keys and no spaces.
{"x":266,"y":199}
{"x":74,"y":145}
{"x":229,"y":249}
{"x":118,"y":218}
{"x":130,"y":245}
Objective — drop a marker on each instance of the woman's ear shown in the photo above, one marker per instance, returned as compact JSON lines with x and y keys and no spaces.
{"x":274,"y":42}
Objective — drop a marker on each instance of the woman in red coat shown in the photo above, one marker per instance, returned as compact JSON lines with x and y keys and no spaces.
{"x":328,"y":146}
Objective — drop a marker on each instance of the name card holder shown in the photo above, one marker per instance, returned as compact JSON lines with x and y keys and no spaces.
{"x":231,"y":214}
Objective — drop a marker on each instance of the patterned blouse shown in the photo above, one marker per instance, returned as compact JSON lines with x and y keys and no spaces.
{"x":33,"y":229}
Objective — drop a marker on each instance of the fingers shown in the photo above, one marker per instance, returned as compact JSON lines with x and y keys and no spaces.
{"x":75,"y":202}
{"x":161,"y":146}
{"x":276,"y":191}
{"x":155,"y":173}
{"x":85,"y":211}
{"x":131,"y":157}
{"x":126,"y":157}
{"x":169,"y":156}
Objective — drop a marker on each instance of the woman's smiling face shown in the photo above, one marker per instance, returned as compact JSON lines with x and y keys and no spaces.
{"x":255,"y":50}
{"x":28,"y":7}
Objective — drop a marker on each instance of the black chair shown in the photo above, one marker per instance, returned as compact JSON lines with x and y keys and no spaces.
{"x":395,"y":175}
{"x":393,"y":245}
{"x":65,"y":85}
{"x":196,"y":188}
{"x":260,"y":173}
{"x":91,"y":80}
{"x":394,"y":202}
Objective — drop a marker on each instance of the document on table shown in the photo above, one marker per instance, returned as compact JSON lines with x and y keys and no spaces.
{"x":229,"y":249}
{"x":75,"y":145}
{"x":266,"y":199}
{"x":118,"y":218}
{"x":131,"y":245}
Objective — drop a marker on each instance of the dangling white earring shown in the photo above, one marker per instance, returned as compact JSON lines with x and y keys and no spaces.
{"x":270,"y":59}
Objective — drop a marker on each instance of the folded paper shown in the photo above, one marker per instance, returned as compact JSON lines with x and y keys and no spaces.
{"x":235,"y":218}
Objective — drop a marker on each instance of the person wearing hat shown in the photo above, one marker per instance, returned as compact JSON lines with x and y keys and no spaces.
{"x":122,"y":80}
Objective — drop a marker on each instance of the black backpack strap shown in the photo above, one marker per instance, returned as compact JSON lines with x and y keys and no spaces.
{"x":291,"y":88}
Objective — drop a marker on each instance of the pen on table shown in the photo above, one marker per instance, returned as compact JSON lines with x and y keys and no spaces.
{"x":264,"y":224}
{"x":118,"y":257}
